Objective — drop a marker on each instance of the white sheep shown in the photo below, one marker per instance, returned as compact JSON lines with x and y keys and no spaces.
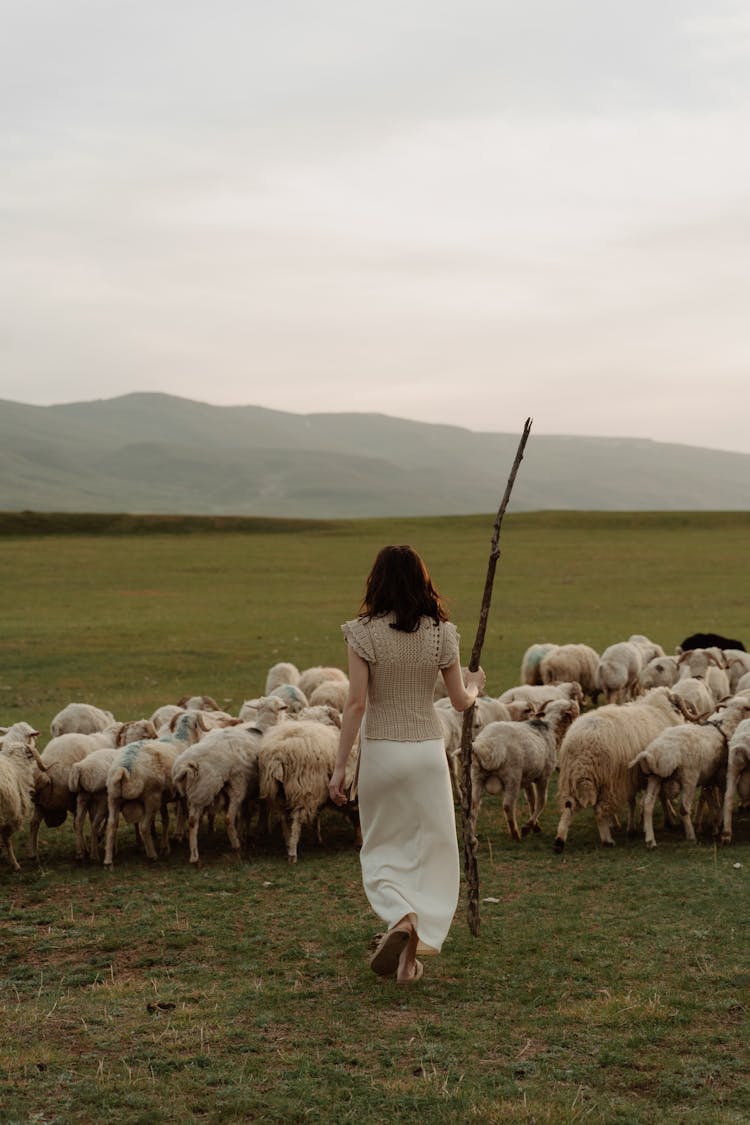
{"x":87,"y":783}
{"x":17,"y":761}
{"x":486,"y":710}
{"x":743,"y":684}
{"x":572,"y":663}
{"x":163,"y":716}
{"x":19,"y":732}
{"x":314,"y":677}
{"x":618,"y":672}
{"x":139,"y":782}
{"x":53,"y":799}
{"x":281,"y":673}
{"x":331,"y":693}
{"x":738,"y":775}
{"x":508,"y":757}
{"x":682,"y":760}
{"x":80,"y":718}
{"x":296,"y":760}
{"x":541,"y":695}
{"x":292,"y":696}
{"x":695,"y":695}
{"x":221,"y":769}
{"x":531,"y":660}
{"x":595,"y":758}
{"x":662,"y":671}
{"x":706,"y":664}
{"x":738,"y":665}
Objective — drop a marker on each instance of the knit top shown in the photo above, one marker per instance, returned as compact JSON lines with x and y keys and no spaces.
{"x":403,"y":671}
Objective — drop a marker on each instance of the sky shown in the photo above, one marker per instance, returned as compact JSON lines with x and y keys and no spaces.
{"x":462,"y":213}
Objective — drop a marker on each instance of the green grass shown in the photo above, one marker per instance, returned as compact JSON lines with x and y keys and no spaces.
{"x":605,"y":986}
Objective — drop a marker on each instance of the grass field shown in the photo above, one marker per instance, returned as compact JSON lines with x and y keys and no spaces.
{"x":605,"y":986}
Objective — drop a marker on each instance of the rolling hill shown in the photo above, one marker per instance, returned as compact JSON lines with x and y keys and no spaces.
{"x":156,"y":453}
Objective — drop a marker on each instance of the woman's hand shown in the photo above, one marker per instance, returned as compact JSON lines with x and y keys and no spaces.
{"x":336,"y":793}
{"x":476,"y":679}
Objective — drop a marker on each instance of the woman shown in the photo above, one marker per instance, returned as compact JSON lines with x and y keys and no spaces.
{"x":398,"y":644}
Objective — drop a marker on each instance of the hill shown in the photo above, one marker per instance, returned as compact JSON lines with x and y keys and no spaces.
{"x":156,"y":453}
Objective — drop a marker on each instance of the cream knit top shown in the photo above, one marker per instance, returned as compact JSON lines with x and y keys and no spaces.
{"x":403,"y":671}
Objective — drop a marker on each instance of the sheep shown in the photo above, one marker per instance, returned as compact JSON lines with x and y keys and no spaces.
{"x":738,"y":666}
{"x":531,"y":661}
{"x":198,"y":703}
{"x":595,"y":755}
{"x":139,"y":782}
{"x":292,"y":696}
{"x":620,"y":666}
{"x":17,"y":760}
{"x":695,"y":695}
{"x":738,"y":775}
{"x":163,"y":716}
{"x":662,"y":671}
{"x":53,"y":799}
{"x":331,"y":693}
{"x":486,"y":710}
{"x":568,"y":663}
{"x":509,"y":756}
{"x":314,"y":677}
{"x":282,"y":673}
{"x":541,"y":695}
{"x":19,"y":732}
{"x":296,"y":761}
{"x":87,"y":783}
{"x":708,"y":664}
{"x":223,"y":767}
{"x":709,"y":640}
{"x":80,"y":718}
{"x":743,"y":685}
{"x":686,"y":758}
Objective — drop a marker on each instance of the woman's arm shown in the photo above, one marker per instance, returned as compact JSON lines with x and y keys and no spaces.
{"x":351,"y":720}
{"x":462,"y":693}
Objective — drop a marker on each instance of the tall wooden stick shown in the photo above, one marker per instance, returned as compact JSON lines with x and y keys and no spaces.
{"x":470,"y":844}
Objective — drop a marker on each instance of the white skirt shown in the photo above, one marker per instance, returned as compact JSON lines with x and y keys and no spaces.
{"x":409,"y":852}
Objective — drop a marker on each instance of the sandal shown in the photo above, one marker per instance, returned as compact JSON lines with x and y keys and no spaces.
{"x":385,"y":959}
{"x":418,"y":973}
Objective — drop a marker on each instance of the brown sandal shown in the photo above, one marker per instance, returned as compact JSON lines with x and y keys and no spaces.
{"x":418,"y":973}
{"x":385,"y":959}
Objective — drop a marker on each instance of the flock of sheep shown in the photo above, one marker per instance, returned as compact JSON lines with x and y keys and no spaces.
{"x":675,"y":728}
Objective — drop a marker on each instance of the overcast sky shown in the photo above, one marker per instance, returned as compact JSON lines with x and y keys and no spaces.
{"x":455,"y":212}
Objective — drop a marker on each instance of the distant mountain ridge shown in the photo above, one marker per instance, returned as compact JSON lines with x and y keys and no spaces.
{"x":158,"y":453}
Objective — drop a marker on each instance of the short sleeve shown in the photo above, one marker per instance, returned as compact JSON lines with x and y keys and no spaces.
{"x":449,"y":645}
{"x":358,"y":636}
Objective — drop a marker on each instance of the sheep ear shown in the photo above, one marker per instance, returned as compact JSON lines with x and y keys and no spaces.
{"x":682,"y":656}
{"x":182,"y":702}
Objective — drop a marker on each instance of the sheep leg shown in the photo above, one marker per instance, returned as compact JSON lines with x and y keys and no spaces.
{"x":97,"y":821}
{"x":78,"y":823}
{"x":233,"y":808}
{"x":146,"y":824}
{"x":563,"y":826}
{"x":8,"y":844}
{"x":36,"y":820}
{"x":540,"y":800}
{"x":510,"y":799}
{"x":112,"y":818}
{"x":295,"y":829}
{"x":733,"y":773}
{"x":194,"y":818}
{"x":686,"y":801}
{"x":165,"y":849}
{"x":604,"y":824}
{"x":652,"y":790}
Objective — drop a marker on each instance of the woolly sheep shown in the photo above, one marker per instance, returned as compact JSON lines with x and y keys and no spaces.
{"x":507,"y":757}
{"x":222,"y":769}
{"x":707,"y":664}
{"x":163,"y":716}
{"x":314,"y":677}
{"x":53,"y":799}
{"x":662,"y":671}
{"x":19,"y":732}
{"x":80,"y":718}
{"x":569,"y":663}
{"x":282,"y":673}
{"x":530,"y":662}
{"x":743,"y":685}
{"x":296,"y":761}
{"x":17,"y":760}
{"x":87,"y":782}
{"x":738,"y":775}
{"x":595,"y":757}
{"x":618,"y":671}
{"x":139,"y":782}
{"x":709,"y":640}
{"x":198,"y":703}
{"x":683,"y":759}
{"x":738,"y":666}
{"x":293,"y":696}
{"x":543,"y":694}
{"x":695,"y":695}
{"x":331,"y":693}
{"x":486,"y":710}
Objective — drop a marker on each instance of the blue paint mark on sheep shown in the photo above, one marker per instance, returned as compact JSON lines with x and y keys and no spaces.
{"x":129,"y":755}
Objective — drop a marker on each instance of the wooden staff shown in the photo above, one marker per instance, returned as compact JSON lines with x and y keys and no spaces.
{"x":470,"y":842}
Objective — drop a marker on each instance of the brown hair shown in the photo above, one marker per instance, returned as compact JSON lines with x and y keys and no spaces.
{"x":400,"y":583}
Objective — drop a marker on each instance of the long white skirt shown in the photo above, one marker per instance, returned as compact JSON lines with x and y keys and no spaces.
{"x":409,"y":852}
